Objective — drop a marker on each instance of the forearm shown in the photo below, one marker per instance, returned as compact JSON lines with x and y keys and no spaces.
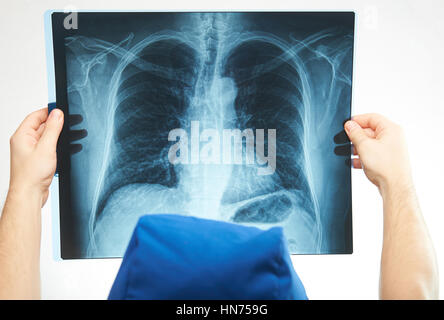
{"x":408,"y":263}
{"x":20,"y":228}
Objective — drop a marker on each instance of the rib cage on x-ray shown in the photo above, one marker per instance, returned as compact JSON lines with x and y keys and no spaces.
{"x":216,"y":73}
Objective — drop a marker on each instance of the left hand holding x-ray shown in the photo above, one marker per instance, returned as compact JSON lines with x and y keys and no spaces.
{"x":33,"y":152}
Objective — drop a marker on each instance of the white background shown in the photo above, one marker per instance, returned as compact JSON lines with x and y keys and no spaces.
{"x":399,"y":72}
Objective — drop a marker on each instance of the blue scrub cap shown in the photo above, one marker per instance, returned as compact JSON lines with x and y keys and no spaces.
{"x":179,"y":257}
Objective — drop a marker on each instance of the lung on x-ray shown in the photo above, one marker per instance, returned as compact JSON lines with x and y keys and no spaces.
{"x":232,"y":116}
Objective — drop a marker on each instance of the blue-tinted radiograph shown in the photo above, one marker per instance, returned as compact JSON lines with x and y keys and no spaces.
{"x":223,"y":71}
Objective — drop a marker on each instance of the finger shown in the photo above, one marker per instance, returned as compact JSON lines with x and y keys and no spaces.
{"x":370,"y":132}
{"x":356,"y":134}
{"x":40,"y":130}
{"x":371,"y":120}
{"x":356,"y":163}
{"x":75,"y":119}
{"x":343,"y":150}
{"x":75,"y":148}
{"x":341,"y":138}
{"x":77,"y":134}
{"x":50,"y":135}
{"x":34,"y":120}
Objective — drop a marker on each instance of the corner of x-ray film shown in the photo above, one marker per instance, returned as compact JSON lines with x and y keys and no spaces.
{"x":224,"y":116}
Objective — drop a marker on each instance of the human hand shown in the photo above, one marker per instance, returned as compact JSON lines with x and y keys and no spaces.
{"x":74,"y":120}
{"x":381,"y":149}
{"x":76,"y":135}
{"x":33,"y":153}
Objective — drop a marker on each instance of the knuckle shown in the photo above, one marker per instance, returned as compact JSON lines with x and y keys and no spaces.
{"x":29,"y":116}
{"x":375,"y":116}
{"x":12,"y":139}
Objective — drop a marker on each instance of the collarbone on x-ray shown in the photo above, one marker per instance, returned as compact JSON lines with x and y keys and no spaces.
{"x":226,"y":116}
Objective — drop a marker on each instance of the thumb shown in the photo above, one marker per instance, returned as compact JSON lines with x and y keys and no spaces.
{"x":50,"y":135}
{"x":355,"y":133}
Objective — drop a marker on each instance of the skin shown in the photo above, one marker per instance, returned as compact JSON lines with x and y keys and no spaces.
{"x":408,"y":265}
{"x":33,"y":163}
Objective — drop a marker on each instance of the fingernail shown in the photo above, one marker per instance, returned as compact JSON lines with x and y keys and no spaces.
{"x":349,"y":125}
{"x":56,"y":114}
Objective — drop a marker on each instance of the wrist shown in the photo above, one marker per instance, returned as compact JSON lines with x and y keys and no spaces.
{"x":25,"y":192}
{"x":397,"y":187}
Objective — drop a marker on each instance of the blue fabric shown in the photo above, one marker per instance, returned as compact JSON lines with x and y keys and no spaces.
{"x":178,"y":257}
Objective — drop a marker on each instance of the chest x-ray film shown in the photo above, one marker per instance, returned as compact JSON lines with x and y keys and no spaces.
{"x":229,"y":116}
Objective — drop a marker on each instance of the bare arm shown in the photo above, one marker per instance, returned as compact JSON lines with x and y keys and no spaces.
{"x":33,"y":163}
{"x":408,"y":263}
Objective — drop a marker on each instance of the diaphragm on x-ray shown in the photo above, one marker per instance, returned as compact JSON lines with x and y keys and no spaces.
{"x":219,"y":115}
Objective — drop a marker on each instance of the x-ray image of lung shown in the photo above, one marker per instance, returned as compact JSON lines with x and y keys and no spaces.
{"x":226,"y":116}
